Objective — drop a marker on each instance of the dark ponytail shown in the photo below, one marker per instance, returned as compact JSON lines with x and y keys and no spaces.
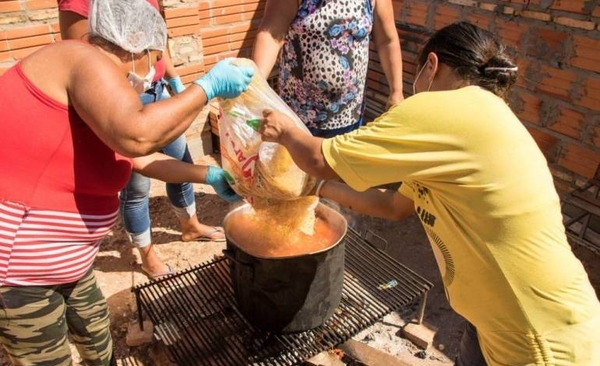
{"x":475,"y":55}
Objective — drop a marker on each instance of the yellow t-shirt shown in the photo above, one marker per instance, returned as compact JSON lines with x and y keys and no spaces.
{"x":486,"y":198}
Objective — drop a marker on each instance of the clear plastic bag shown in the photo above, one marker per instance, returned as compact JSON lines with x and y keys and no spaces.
{"x":258,"y":169}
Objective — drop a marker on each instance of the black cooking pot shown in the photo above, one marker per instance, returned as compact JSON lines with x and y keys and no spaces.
{"x":287,"y":294}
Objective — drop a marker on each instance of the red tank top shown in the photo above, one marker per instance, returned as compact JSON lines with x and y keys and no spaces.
{"x":50,"y":158}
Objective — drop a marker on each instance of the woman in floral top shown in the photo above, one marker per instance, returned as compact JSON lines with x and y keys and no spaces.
{"x":323,"y":65}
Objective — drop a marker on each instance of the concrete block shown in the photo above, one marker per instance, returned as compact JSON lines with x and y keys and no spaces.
{"x":326,"y":358}
{"x":136,"y":336}
{"x":421,"y":335}
{"x":368,"y":355}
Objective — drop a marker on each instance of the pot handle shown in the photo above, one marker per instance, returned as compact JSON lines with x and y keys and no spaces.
{"x":231,"y":256}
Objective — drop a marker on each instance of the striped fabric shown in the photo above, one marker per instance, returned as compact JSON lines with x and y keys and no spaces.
{"x":41,"y":247}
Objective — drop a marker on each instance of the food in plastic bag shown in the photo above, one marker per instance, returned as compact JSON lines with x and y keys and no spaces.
{"x":258,"y":169}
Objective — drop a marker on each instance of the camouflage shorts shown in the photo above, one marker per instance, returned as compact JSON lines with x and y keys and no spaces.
{"x":36,"y":321}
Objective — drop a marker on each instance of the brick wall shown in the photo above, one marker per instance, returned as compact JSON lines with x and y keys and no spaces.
{"x":556,"y":43}
{"x":557,"y":47}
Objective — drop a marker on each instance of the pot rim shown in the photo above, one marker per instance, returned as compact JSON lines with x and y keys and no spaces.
{"x":321,"y":210}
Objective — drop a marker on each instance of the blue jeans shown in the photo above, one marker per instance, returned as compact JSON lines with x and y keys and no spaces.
{"x":135,"y":211}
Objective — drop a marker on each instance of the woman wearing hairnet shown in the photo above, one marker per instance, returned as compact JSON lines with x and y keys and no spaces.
{"x":135,"y":198}
{"x":73,"y":127}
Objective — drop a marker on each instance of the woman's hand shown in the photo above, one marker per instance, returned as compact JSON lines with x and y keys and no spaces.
{"x":275,"y":125}
{"x":216,"y":177}
{"x":225,"y":80}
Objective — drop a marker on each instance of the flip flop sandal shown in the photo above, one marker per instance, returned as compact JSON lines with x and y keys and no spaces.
{"x":164,"y":279}
{"x":159,"y":275}
{"x":208,"y":236}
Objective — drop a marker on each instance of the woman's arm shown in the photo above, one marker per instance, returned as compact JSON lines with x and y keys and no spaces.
{"x":304,"y":148}
{"x":101,"y":95}
{"x":277,"y":18}
{"x":384,"y":203}
{"x":170,"y":170}
{"x":386,"y":40}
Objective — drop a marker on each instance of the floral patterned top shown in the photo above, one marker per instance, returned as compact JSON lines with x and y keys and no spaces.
{"x":323,"y":65}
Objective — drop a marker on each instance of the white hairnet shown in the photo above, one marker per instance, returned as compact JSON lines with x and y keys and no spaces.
{"x":133,"y":25}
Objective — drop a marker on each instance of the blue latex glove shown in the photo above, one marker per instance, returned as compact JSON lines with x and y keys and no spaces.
{"x":176,"y":85}
{"x":217,"y":179}
{"x":225,"y":80}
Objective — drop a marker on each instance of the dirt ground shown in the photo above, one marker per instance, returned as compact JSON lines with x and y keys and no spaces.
{"x":117,"y":271}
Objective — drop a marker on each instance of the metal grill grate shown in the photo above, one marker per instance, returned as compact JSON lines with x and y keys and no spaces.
{"x":195,"y":315}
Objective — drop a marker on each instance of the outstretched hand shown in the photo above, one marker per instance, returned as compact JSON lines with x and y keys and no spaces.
{"x":274,"y":125}
{"x":225,"y":80}
{"x":217,"y":179}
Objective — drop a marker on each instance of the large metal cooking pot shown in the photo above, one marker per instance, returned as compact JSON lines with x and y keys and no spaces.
{"x":287,"y":294}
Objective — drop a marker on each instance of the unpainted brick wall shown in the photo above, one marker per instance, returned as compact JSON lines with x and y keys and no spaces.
{"x":556,"y":44}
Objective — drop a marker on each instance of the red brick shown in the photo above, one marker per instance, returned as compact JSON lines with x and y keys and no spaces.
{"x":481,"y":20}
{"x":227,"y":19}
{"x":243,"y":27}
{"x":216,"y":31}
{"x":572,"y":6}
{"x":181,"y":12}
{"x":547,"y":44}
{"x":23,"y":32}
{"x":586,"y":53}
{"x":511,"y":32}
{"x":547,"y":143}
{"x":183,"y":31}
{"x":204,"y":14}
{"x":239,"y":36}
{"x":190,"y":73}
{"x":28,"y":42}
{"x":182,"y":21}
{"x":596,"y":12}
{"x":416,"y":13}
{"x":204,"y":6}
{"x":590,"y":94}
{"x":223,"y":3}
{"x":245,"y":43}
{"x":569,"y":122}
{"x":216,"y":49}
{"x":556,"y":82}
{"x":6,"y":56}
{"x":205,"y":23}
{"x":10,"y":6}
{"x":445,"y":15}
{"x":257,"y":7}
{"x":596,"y":136}
{"x":213,"y":41}
{"x":4,"y":46}
{"x":529,"y":107}
{"x":579,"y":160}
{"x":40,"y":4}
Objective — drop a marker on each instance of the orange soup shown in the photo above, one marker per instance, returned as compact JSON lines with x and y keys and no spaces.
{"x":277,"y":240}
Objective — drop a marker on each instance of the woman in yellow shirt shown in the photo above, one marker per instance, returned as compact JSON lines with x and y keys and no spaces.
{"x":484,"y":195}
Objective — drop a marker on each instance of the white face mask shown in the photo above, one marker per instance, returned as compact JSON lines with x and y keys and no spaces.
{"x":417,"y":78}
{"x":141,"y":84}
